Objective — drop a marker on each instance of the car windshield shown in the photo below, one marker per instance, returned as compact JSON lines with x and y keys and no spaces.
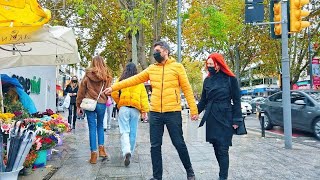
{"x":315,"y":95}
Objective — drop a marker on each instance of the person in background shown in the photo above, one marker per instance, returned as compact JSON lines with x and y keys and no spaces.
{"x":108,"y":114}
{"x":221,"y":116}
{"x":132,"y":102}
{"x":72,"y":90}
{"x":166,"y":77}
{"x":98,"y":76}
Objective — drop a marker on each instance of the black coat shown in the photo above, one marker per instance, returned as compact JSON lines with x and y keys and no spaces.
{"x":70,"y":90}
{"x":218,"y":92}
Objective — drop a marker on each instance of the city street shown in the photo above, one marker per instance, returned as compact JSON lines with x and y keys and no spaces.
{"x":300,"y":137}
{"x":251,"y":157}
{"x":63,"y":59}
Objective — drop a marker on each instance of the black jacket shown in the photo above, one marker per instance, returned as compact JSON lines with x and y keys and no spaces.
{"x":70,"y":90}
{"x":221,"y":100}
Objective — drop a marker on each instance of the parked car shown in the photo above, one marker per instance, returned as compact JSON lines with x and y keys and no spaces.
{"x":305,"y":111}
{"x":244,"y":111}
{"x":247,"y":107}
{"x":256,"y":101}
{"x":246,"y":98}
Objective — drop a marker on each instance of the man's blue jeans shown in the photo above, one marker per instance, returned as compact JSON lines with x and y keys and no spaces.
{"x":173,"y":121}
{"x":95,"y":123}
{"x":128,"y":124}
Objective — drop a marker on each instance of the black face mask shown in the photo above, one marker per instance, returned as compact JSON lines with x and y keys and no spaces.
{"x":212,"y":71}
{"x":157,"y":56}
{"x":74,"y":81}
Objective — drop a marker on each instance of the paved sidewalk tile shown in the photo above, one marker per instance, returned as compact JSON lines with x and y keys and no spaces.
{"x":251,"y":157}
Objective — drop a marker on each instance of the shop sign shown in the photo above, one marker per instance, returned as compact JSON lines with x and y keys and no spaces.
{"x":29,"y":85}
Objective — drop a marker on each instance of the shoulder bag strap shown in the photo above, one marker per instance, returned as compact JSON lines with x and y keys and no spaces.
{"x":100,"y":91}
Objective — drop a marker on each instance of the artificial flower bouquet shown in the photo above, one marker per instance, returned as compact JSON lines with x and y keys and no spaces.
{"x":6,"y":120}
{"x":60,"y":125}
{"x":45,"y":139}
{"x":30,"y":159}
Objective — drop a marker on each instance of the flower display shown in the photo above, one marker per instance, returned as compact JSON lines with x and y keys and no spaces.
{"x":30,"y":159}
{"x":6,"y":117}
{"x":45,"y":139}
{"x":6,"y":120}
{"x":49,"y":130}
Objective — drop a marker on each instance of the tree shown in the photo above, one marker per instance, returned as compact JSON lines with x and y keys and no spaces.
{"x":217,"y":25}
{"x":194,"y":77}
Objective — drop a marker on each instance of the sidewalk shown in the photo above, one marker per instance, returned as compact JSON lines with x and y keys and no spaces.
{"x":251,"y":157}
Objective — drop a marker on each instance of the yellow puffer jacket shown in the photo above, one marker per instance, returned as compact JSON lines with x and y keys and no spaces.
{"x":166,"y":80}
{"x":135,"y":96}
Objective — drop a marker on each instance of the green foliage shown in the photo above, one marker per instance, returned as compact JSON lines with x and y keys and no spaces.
{"x":194,"y":73}
{"x":15,"y":107}
{"x":217,"y":23}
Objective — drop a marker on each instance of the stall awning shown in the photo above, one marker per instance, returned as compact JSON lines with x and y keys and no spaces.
{"x":19,"y":18}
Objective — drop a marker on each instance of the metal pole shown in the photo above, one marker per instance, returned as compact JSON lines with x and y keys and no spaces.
{"x":263,"y":130}
{"x":310,"y":55}
{"x":1,"y":97}
{"x":179,"y":31}
{"x":286,"y":78}
{"x":1,"y":156}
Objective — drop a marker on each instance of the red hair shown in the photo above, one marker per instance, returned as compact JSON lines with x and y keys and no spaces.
{"x":219,"y":60}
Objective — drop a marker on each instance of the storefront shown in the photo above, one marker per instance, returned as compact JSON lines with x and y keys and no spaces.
{"x":39,"y":82}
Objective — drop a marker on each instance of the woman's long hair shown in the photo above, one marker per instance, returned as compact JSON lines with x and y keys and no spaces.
{"x":129,"y":71}
{"x":219,"y":60}
{"x":71,"y":84}
{"x":101,"y":70}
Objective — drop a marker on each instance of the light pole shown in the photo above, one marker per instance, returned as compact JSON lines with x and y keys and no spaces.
{"x":286,"y":77}
{"x":310,"y":52}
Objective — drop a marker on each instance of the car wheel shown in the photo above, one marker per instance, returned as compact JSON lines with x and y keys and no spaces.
{"x":267,"y":122}
{"x":316,"y":128}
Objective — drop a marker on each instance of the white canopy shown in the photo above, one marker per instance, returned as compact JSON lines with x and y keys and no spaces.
{"x":50,"y":45}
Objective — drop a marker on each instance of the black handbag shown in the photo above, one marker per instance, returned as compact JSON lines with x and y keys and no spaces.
{"x":241,"y":130}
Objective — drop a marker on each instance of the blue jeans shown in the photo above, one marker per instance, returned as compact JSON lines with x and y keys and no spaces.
{"x":128,"y":123}
{"x":95,"y":123}
{"x":173,"y":121}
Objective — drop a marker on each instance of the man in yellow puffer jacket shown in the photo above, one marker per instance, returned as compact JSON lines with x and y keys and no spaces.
{"x":166,"y":78}
{"x":131,"y":102}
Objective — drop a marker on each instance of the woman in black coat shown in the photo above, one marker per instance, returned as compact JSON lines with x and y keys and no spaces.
{"x":72,"y":90}
{"x":221,"y":100}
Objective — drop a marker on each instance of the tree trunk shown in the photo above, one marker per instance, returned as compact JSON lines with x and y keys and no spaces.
{"x":141,"y":48}
{"x":157,"y":23}
{"x":129,"y":46}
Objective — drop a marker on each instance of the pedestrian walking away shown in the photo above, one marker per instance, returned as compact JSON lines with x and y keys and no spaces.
{"x":221,"y":100}
{"x":166,"y":78}
{"x":132,"y":102}
{"x":97,"y":76}
{"x":108,"y":114}
{"x":72,"y":90}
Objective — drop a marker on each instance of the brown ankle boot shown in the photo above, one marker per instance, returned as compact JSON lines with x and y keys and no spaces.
{"x":102,"y":152}
{"x":93,"y":159}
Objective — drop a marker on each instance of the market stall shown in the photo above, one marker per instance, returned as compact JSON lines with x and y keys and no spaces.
{"x":26,"y":41}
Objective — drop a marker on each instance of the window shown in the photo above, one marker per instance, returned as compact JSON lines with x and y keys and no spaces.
{"x":298,"y":96}
{"x":245,"y":84}
{"x":257,"y":82}
{"x":276,"y":97}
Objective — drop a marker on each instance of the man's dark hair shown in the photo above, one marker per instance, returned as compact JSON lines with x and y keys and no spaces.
{"x":129,"y":71}
{"x":163,"y":45}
